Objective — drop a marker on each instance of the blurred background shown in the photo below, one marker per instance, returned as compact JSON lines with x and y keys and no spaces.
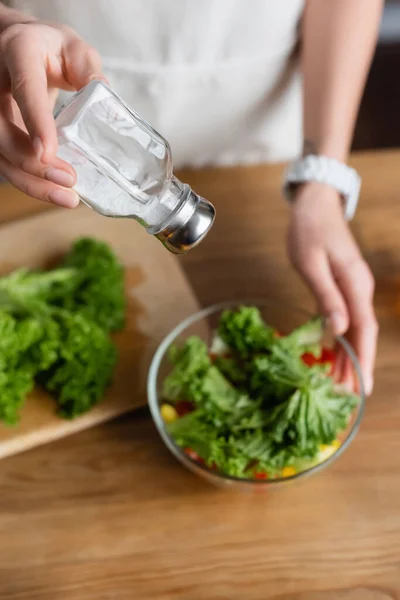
{"x":380,"y":106}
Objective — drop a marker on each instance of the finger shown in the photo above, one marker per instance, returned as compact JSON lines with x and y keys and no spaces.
{"x":11,"y":112}
{"x":315,"y":269}
{"x":339,"y":362}
{"x":6,"y":106}
{"x":37,"y":187}
{"x":356,"y":282}
{"x":27,"y":71}
{"x":344,"y":370}
{"x":52,"y":94}
{"x":82,"y":63}
{"x":364,"y":340}
{"x":16,"y":147}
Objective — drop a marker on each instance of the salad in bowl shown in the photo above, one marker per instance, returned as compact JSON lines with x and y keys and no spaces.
{"x":239,"y":400}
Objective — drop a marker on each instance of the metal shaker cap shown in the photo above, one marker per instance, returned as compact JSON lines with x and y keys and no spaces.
{"x":189,"y":225}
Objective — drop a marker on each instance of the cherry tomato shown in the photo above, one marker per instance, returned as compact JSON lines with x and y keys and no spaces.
{"x":328,"y":356}
{"x":183,"y":408}
{"x":213,"y":356}
{"x":260,"y":475}
{"x":194,"y":456}
{"x":309,"y":359}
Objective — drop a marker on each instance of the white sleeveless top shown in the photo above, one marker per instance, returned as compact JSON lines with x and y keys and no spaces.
{"x":217,"y":78}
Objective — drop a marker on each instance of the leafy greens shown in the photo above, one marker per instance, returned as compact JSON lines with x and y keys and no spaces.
{"x":55,"y":329}
{"x":259,"y":405}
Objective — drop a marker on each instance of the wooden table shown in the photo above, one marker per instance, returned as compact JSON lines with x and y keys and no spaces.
{"x":108,"y":514}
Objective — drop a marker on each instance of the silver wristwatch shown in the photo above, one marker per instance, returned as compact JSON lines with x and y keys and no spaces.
{"x":324,"y":169}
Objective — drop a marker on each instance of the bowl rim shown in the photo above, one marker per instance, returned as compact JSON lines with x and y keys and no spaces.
{"x":179,"y":453}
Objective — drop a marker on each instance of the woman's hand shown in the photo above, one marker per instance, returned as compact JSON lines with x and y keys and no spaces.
{"x":325,"y":253}
{"x":36,"y":59}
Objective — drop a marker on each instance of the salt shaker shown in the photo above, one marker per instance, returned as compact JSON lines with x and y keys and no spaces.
{"x":124,"y":168}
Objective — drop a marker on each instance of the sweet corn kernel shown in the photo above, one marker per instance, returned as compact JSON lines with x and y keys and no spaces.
{"x":168,"y":413}
{"x":325,"y":451}
{"x":288,"y":471}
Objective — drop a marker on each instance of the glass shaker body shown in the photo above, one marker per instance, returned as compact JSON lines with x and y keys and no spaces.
{"x":124,"y":168}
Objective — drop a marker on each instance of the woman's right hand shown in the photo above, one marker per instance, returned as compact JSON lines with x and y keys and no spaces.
{"x":36,"y":59}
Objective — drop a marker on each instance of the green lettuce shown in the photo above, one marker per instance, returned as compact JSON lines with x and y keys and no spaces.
{"x":260,"y":407}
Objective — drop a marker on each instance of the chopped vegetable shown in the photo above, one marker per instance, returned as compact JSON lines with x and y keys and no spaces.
{"x":183,"y":408}
{"x":169,"y":413}
{"x":326,"y":357}
{"x":288,"y":471}
{"x":259,"y":407}
{"x":261,"y":475}
{"x":245,"y":332}
{"x":326,"y":450}
{"x":193,"y":455}
{"x":231,"y":368}
{"x":306,"y":338}
{"x":191,"y":364}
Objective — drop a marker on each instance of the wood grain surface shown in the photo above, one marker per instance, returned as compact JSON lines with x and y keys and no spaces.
{"x":108,"y":513}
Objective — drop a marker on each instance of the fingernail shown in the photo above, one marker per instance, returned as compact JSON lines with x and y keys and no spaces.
{"x":100,"y":77}
{"x":38,"y":148}
{"x":60,"y":177}
{"x":65,"y":198}
{"x":369,"y":385}
{"x":338,"y":323}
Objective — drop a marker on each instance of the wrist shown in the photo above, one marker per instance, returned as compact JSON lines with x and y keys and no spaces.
{"x":316,"y":197}
{"x":317,"y":206}
{"x":329,"y":148}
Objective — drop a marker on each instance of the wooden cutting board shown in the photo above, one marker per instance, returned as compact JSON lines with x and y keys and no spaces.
{"x":158,"y":293}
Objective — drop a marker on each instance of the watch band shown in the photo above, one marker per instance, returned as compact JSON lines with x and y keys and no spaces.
{"x":323,"y":169}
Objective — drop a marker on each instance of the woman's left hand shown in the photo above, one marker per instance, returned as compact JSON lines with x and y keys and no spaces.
{"x":323,"y":250}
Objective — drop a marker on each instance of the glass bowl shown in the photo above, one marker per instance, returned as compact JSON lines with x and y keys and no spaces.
{"x":284,"y":318}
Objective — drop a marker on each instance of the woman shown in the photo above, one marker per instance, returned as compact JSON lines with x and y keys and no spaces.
{"x":221,"y":81}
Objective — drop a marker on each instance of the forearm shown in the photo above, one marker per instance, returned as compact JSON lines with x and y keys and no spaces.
{"x":339,"y":39}
{"x":9,"y":17}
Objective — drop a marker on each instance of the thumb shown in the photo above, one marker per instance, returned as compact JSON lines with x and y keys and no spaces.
{"x":82,"y":64}
{"x":316,"y":270}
